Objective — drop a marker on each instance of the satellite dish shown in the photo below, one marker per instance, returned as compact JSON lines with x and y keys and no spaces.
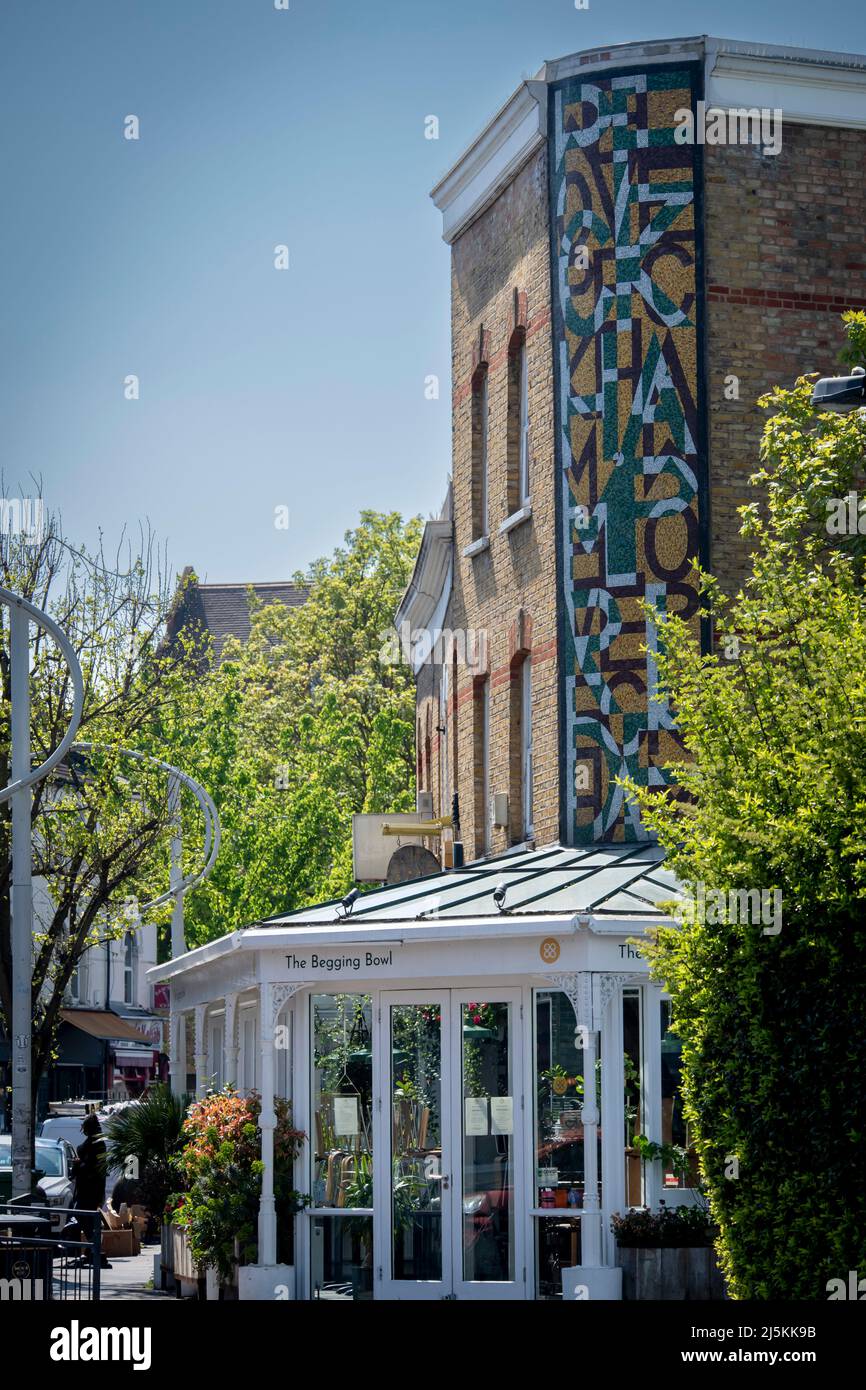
{"x":411,"y":861}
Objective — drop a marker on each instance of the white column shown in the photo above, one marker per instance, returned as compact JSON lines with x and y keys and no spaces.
{"x":267,"y":1123}
{"x":230,"y":1041}
{"x":591,"y":1227}
{"x":177,"y":1050}
{"x":200,"y":1050}
{"x":272,"y":997}
{"x":652,"y":1089}
{"x":609,"y":988}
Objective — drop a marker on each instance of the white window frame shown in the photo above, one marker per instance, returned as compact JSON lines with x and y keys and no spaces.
{"x":130,"y":962}
{"x":248,"y":1023}
{"x":526,"y":746}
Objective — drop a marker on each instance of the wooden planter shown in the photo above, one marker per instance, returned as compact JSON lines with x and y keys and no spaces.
{"x":684,"y":1274}
{"x":166,"y":1256}
{"x":186,"y":1271}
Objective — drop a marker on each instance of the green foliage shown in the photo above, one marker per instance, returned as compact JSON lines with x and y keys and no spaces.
{"x":150,"y":1131}
{"x":773,"y":1024}
{"x":673,"y":1156}
{"x":220,"y":1168}
{"x":670,"y":1227}
{"x":100,"y":821}
{"x":298,"y":729}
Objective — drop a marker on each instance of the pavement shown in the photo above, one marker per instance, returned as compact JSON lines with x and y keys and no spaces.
{"x":131,"y":1278}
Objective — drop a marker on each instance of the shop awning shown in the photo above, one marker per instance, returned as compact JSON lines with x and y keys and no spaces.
{"x":133,"y":1058}
{"x":102,"y":1023}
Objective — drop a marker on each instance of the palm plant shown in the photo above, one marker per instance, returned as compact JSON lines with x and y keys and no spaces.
{"x":150,"y":1132}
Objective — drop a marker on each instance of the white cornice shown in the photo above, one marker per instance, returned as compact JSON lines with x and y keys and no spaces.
{"x":429,"y":588}
{"x":624,"y":55}
{"x":491,"y":161}
{"x":813,"y":86}
{"x":807,"y":86}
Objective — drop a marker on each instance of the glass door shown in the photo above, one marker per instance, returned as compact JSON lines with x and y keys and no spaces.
{"x":487,"y":1115}
{"x":415,"y":1190}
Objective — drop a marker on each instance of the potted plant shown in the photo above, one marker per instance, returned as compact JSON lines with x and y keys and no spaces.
{"x":144,"y":1138}
{"x":220,"y":1167}
{"x":667,"y":1254}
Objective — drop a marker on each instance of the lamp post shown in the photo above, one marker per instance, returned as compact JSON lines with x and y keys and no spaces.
{"x":21,"y":613}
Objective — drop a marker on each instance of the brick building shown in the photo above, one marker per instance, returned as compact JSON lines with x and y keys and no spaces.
{"x":624,"y":284}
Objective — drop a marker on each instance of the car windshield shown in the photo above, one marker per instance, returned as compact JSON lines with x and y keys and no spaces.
{"x":49,"y":1157}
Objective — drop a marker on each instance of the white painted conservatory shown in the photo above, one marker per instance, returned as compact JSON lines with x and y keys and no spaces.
{"x":434,"y":1044}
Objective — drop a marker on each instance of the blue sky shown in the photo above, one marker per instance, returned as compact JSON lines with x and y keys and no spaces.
{"x":258,"y":388}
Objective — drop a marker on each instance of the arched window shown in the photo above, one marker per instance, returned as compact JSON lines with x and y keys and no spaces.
{"x":480,"y":413}
{"x":526,"y":746}
{"x":518,"y":422}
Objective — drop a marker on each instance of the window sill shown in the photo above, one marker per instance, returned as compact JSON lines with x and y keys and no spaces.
{"x":476,"y":548}
{"x":516,"y":518}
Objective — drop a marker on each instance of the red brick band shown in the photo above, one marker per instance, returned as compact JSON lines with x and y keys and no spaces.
{"x":785,"y":299}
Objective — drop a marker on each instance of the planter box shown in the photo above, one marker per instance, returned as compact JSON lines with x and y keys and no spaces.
{"x":185,"y":1269}
{"x":591,"y":1283}
{"x":218,"y":1292}
{"x":682,"y":1274}
{"x":266,"y":1283}
{"x":164,"y":1276}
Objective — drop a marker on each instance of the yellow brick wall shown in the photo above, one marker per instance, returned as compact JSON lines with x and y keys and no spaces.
{"x":501,"y":280}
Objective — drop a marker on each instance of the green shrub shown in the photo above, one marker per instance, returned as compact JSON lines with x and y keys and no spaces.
{"x":670,"y":1227}
{"x":773,"y":797}
{"x":220,"y":1168}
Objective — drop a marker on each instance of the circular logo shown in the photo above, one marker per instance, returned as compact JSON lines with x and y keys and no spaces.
{"x":549,"y":950}
{"x":560,"y":1085}
{"x":20,"y":1270}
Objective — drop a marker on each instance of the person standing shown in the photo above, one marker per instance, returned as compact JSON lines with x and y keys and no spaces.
{"x":88,"y":1170}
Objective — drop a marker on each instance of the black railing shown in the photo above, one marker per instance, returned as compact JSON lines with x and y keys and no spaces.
{"x":59,"y":1261}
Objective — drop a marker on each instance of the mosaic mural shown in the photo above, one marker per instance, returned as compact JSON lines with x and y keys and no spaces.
{"x":626,"y":346}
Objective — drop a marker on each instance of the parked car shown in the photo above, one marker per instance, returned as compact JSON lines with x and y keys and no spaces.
{"x":68,"y":1127}
{"x":54,"y":1161}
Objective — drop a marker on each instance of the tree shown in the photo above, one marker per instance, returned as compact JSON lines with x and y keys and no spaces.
{"x":299,"y":728}
{"x":100,"y":821}
{"x":773,"y":1021}
{"x":151,"y":1133}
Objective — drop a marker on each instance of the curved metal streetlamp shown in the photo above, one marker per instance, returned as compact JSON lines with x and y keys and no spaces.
{"x":21,"y":613}
{"x":212,"y":831}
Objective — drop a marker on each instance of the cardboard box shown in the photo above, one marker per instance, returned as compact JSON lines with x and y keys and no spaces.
{"x":118,"y":1243}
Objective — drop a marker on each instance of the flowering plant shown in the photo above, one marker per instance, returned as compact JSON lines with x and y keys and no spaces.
{"x":482,"y":1015}
{"x":220,"y":1167}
